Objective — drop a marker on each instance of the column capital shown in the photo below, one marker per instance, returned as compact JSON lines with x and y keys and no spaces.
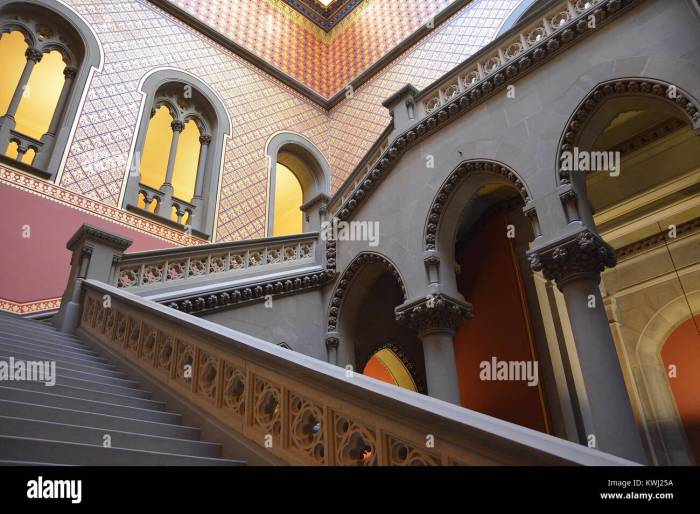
{"x":332,"y":340}
{"x":177,"y":126}
{"x":33,"y":54}
{"x":434,"y":313}
{"x":583,"y":253}
{"x":205,"y":139}
{"x":70,"y":72}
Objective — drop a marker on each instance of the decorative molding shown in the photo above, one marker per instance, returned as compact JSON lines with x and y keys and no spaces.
{"x":341,"y":287}
{"x":621,"y":87}
{"x":90,"y":232}
{"x":67,"y":198}
{"x":648,"y":136}
{"x":461,"y":173}
{"x":648,"y":243}
{"x":324,"y":17}
{"x":33,"y":307}
{"x":477,"y":93}
{"x":254,"y":292}
{"x":434,"y":313}
{"x":583,"y":253}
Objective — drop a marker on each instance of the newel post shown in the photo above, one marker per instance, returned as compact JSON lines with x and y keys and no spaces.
{"x":94,"y":254}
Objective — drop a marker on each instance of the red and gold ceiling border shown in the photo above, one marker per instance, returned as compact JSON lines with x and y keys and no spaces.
{"x":325,"y":17}
{"x":40,"y":187}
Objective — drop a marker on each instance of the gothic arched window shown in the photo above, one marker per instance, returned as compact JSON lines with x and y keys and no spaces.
{"x":177,"y":153}
{"x":47,"y":54}
{"x":299,"y":183}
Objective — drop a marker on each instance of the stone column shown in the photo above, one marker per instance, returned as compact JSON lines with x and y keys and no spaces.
{"x":575,"y":264}
{"x":436,"y":319}
{"x":332,"y":343}
{"x":197,"y":216}
{"x":8,"y":124}
{"x":95,"y":253}
{"x":167,"y":186}
{"x":48,"y":138}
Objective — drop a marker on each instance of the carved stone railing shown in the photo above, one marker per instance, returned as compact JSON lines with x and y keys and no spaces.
{"x":507,"y":51}
{"x":302,"y":410}
{"x":164,"y":205}
{"x":534,"y":41}
{"x":177,"y":264}
{"x":24,"y":144}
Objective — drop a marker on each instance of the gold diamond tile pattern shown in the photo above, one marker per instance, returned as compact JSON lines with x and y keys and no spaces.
{"x":325,"y":62}
{"x":138,"y":37}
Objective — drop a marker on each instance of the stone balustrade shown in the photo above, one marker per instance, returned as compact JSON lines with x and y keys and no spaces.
{"x":178,"y":264}
{"x":302,"y":410}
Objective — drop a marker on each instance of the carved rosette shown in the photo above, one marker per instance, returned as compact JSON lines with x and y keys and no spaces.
{"x":583,"y":254}
{"x":435,"y":313}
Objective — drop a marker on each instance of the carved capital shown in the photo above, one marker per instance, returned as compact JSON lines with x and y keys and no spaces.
{"x":435,"y":313}
{"x":33,"y":54}
{"x":177,"y":126}
{"x":205,"y":139}
{"x":70,"y":72}
{"x":582,"y":254}
{"x":332,"y":341}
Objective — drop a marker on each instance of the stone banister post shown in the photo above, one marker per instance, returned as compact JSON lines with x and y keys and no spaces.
{"x":575,"y":264}
{"x":402,"y":107}
{"x":95,"y":253}
{"x":435,"y":319}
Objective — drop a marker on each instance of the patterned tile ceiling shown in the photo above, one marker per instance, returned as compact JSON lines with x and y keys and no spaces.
{"x":324,"y":61}
{"x":324,"y":13}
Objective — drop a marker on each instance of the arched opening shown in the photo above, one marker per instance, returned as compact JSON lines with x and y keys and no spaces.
{"x":47,"y":54}
{"x":498,"y":365}
{"x":298,"y":185}
{"x":633,"y":167}
{"x":177,"y":152}
{"x":681,"y":357}
{"x":371,"y":340}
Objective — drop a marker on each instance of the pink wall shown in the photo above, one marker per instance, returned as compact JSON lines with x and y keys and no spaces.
{"x":36,"y":268}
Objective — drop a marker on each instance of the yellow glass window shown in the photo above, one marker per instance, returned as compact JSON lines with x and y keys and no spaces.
{"x":12,"y":60}
{"x":288,"y":199}
{"x":186,"y":160}
{"x":156,"y":148}
{"x":41,"y":96}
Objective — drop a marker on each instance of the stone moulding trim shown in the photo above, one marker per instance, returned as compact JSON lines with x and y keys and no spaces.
{"x":493,"y":85}
{"x":461,"y":173}
{"x":22,"y":308}
{"x":209,"y":302}
{"x":630,"y":250}
{"x":341,"y":287}
{"x":615,"y":88}
{"x":65,"y":197}
{"x":582,"y":253}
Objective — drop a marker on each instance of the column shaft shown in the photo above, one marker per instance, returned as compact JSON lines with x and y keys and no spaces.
{"x":441,"y":366}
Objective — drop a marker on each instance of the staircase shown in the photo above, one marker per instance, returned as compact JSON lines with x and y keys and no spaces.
{"x":67,"y":423}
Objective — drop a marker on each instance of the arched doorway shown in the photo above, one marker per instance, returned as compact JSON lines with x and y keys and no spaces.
{"x":498,"y":364}
{"x":362,"y":314}
{"x":681,"y":358}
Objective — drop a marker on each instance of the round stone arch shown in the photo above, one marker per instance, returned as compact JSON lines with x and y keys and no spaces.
{"x":460,"y":188}
{"x":83,"y":54}
{"x":219,"y":130}
{"x":660,"y":414}
{"x":596,"y":110}
{"x":362,"y":272}
{"x":310,"y":167}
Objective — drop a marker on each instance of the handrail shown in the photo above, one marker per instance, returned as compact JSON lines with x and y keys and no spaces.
{"x":303,"y":410}
{"x":173,"y":264}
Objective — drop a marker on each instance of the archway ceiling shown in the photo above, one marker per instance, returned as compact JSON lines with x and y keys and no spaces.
{"x":324,"y":58}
